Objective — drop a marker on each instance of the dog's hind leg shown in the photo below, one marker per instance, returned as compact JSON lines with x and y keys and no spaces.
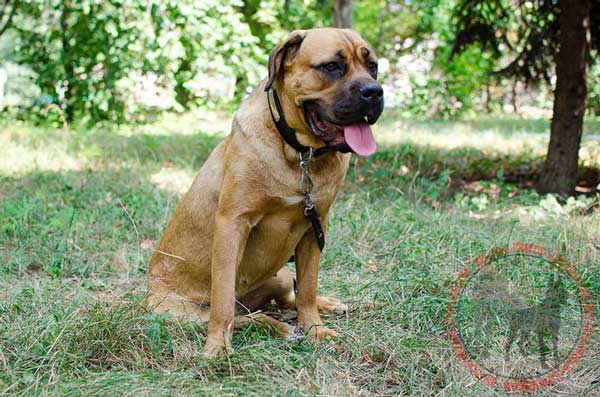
{"x":178,"y":306}
{"x":280,"y":287}
{"x":274,"y":327}
{"x":182,"y":308}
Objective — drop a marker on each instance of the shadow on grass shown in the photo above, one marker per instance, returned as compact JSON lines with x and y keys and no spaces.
{"x":81,"y":223}
{"x":89,"y":221}
{"x":179,"y":150}
{"x":191,"y":150}
{"x":397,"y":163}
{"x":464,"y":164}
{"x":505,"y":126}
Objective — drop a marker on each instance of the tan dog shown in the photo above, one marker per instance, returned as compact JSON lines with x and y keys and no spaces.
{"x":241,"y":220}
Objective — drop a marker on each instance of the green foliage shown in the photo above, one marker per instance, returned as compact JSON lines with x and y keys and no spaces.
{"x":89,"y":56}
{"x":271,"y":20}
{"x":446,"y":88}
{"x":463,"y":77}
{"x":122,"y":60}
{"x":502,"y":26}
{"x":213,"y":40}
{"x":593,"y":100}
{"x":385,"y":24}
{"x":90,"y":59}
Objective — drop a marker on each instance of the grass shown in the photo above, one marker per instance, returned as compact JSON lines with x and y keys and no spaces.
{"x":81,"y":210}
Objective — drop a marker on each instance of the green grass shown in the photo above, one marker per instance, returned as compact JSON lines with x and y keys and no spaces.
{"x":81,"y":210}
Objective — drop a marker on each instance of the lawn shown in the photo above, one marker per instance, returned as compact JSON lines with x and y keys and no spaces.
{"x":81,"y":210}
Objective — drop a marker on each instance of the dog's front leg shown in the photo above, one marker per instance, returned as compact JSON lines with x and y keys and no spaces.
{"x":307,"y":272}
{"x":230,"y":235}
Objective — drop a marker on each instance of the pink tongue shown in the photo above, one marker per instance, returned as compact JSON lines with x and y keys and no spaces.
{"x":360,"y":138}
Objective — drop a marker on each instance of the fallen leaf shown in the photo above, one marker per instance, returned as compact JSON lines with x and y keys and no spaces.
{"x":34,"y":267}
{"x":372,"y":265}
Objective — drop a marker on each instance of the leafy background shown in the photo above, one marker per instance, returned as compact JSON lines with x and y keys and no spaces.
{"x":127,"y":60}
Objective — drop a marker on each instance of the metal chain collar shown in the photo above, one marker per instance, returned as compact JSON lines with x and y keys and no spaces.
{"x":306,"y":183}
{"x":310,"y":209}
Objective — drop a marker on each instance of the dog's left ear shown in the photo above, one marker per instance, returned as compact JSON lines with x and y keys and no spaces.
{"x":284,"y":52}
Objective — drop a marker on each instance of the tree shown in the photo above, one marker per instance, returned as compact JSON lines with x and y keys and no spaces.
{"x":343,"y":12}
{"x":560,"y":172}
{"x":541,"y":36}
{"x":89,"y":56}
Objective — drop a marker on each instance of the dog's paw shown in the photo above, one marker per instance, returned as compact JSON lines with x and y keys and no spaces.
{"x":320,"y":332}
{"x":214,"y":349}
{"x":329,"y":305}
{"x":340,"y":309}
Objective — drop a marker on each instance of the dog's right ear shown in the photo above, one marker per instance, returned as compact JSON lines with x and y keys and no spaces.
{"x":284,"y":52}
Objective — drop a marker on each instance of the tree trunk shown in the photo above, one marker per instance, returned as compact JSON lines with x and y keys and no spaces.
{"x":68,"y":64}
{"x":561,"y":169}
{"x":488,"y":99}
{"x":343,"y":11}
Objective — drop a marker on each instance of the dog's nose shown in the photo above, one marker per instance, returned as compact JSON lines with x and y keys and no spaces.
{"x":371,"y":92}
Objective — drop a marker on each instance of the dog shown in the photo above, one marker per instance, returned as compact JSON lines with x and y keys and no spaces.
{"x":245,"y":215}
{"x":539,"y":319}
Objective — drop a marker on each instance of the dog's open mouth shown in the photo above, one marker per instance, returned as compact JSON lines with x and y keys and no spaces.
{"x":358,"y":136}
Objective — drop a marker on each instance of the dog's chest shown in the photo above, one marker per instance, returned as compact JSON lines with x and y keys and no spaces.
{"x":322,"y":195}
{"x":286,"y":221}
{"x":322,"y":182}
{"x":274,"y":238}
{"x":270,"y":244}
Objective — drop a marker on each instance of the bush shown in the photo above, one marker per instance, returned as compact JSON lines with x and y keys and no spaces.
{"x":91,"y":58}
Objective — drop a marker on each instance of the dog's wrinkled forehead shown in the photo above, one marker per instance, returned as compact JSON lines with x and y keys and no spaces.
{"x":323,"y":46}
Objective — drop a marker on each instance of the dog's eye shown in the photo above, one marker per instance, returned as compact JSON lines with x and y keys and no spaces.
{"x":372,"y":67}
{"x":331,"y":67}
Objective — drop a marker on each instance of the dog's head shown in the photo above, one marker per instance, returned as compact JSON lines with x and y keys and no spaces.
{"x":329,"y":78}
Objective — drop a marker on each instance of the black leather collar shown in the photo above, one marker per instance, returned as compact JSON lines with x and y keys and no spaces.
{"x":305,"y":155}
{"x":289,"y":135}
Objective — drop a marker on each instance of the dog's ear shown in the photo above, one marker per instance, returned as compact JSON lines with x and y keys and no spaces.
{"x":284,"y":52}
